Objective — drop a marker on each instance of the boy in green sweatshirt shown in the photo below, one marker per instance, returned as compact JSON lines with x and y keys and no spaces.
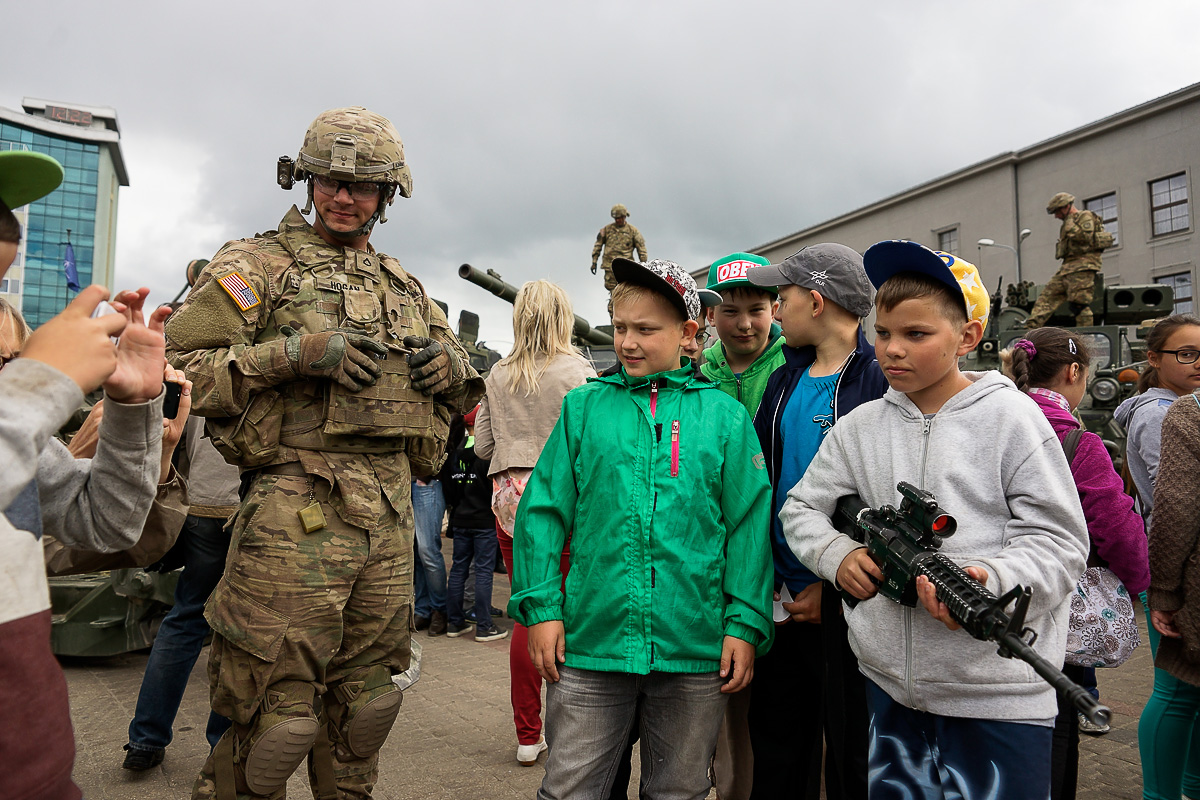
{"x":750,"y":346}
{"x":660,"y":480}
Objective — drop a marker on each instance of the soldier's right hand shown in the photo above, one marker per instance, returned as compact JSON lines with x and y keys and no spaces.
{"x":343,"y":356}
{"x":76,"y":344}
{"x":593,"y":269}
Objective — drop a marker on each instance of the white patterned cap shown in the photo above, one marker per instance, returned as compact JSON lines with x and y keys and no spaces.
{"x":665,"y":277}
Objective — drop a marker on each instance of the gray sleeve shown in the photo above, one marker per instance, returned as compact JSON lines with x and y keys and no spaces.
{"x":37,"y":400}
{"x":101,"y":503}
{"x":1150,"y":441}
{"x":1045,"y":544}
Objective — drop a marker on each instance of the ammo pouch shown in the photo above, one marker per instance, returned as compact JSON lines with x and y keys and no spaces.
{"x":427,"y":454}
{"x":252,"y":439}
{"x":388,"y":408}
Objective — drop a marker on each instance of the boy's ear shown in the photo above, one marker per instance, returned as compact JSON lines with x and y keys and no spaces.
{"x":972,"y":334}
{"x":818,"y":303}
{"x":690,"y":327}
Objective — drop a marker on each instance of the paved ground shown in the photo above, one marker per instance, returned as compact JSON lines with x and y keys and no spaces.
{"x":454,"y":738}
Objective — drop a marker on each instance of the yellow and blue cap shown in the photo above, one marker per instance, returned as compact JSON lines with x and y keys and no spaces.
{"x":885,"y":259}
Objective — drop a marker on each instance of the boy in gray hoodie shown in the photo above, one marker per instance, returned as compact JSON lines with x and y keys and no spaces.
{"x":949,"y":717}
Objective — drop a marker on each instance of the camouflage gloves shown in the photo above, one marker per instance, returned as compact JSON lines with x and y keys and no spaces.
{"x":593,"y":269}
{"x":432,"y":365}
{"x":343,"y":356}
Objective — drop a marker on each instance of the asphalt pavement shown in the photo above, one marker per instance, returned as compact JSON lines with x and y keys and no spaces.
{"x":454,"y":738}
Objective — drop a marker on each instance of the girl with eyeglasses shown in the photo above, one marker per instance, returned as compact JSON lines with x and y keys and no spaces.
{"x":1170,"y":756}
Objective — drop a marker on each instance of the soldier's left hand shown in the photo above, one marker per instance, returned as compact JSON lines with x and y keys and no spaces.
{"x":432,"y":364}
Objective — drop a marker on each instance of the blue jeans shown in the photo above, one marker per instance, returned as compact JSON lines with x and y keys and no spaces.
{"x":590,"y":716}
{"x":477,"y":545}
{"x":429,"y":579}
{"x":180,"y":638}
{"x":916,"y":755}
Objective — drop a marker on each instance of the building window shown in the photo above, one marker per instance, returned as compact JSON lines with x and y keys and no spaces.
{"x":1169,"y":204}
{"x":948,"y":241}
{"x":1181,"y":282}
{"x":1105,"y":207}
{"x":10,"y":286}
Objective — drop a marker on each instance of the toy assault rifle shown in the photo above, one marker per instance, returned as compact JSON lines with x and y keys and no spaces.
{"x":905,"y":544}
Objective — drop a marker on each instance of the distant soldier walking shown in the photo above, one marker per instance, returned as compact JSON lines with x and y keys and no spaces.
{"x":617,"y":239}
{"x":1081,"y":241}
{"x":328,"y":375}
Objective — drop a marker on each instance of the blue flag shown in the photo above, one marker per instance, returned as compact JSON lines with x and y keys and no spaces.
{"x":69,"y":268}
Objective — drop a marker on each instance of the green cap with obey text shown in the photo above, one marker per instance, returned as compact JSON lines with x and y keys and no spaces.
{"x":730,"y":272}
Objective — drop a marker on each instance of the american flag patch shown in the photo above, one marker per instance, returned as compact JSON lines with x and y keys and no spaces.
{"x":242,"y":293}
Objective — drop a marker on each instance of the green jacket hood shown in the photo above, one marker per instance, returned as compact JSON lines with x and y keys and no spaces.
{"x":750,"y":387}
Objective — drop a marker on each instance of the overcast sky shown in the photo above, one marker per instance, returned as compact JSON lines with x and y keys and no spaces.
{"x":720,"y":125}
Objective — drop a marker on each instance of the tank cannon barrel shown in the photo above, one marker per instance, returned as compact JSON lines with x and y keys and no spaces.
{"x":492,"y":281}
{"x":489,"y":280}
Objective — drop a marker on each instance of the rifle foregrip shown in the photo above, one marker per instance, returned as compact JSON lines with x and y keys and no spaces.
{"x":966,"y":598}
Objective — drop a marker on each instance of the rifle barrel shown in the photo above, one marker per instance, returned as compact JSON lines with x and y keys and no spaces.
{"x":1089,"y":706}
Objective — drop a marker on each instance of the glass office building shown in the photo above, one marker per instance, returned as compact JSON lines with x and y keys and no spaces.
{"x":82,"y":211}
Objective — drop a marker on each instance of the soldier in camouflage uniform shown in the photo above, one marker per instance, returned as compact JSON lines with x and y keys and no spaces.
{"x":618,"y":239}
{"x":1080,"y":243}
{"x":325,"y":372}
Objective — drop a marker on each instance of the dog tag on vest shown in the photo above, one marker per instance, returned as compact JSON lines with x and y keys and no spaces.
{"x":312,"y":518}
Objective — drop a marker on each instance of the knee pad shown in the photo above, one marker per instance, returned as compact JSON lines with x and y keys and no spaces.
{"x":1078,"y":307}
{"x":371,"y":703}
{"x":281,"y":737}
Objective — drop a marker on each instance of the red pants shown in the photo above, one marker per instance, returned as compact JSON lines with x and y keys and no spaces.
{"x":525,"y":682}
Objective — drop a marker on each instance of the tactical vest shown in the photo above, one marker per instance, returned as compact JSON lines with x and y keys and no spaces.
{"x":327,"y":288}
{"x":1074,"y":249}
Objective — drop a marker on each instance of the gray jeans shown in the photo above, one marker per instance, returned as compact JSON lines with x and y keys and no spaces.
{"x":589,"y":716}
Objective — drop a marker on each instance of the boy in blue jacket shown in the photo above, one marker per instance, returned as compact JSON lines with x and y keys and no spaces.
{"x":658,"y":477}
{"x":810,"y":680}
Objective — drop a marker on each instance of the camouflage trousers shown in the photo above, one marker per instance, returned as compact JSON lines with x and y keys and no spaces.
{"x":1073,"y":287}
{"x":610,"y":281}
{"x":297,"y":614}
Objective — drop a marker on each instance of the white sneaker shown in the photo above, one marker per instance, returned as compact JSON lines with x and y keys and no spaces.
{"x":527,"y":753}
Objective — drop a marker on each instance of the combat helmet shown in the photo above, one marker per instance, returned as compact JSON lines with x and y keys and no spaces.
{"x":619,"y":211}
{"x":1060,"y":200}
{"x":351,"y":144}
{"x":194,"y":268}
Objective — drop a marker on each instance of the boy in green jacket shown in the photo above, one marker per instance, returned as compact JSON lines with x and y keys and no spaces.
{"x":660,"y":481}
{"x":751,"y":345}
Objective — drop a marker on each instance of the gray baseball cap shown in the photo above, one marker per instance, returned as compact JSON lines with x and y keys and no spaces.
{"x":834,"y":270}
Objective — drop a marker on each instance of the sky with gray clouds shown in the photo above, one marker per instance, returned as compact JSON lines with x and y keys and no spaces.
{"x":720,"y":125}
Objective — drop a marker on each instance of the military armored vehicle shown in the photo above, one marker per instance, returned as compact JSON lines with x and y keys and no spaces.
{"x":596,"y":343}
{"x":1121,"y":315}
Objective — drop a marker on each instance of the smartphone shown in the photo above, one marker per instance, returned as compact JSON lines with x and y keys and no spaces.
{"x":171,"y":401}
{"x":103,"y":310}
{"x":781,"y":613}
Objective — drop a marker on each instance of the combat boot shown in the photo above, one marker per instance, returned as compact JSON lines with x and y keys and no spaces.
{"x":437,"y":623}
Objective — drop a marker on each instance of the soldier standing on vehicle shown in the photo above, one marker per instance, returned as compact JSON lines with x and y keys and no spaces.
{"x":1081,"y":240}
{"x":326,"y":372}
{"x":618,"y":239}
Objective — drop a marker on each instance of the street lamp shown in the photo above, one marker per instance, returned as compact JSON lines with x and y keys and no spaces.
{"x":1025,"y":232}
